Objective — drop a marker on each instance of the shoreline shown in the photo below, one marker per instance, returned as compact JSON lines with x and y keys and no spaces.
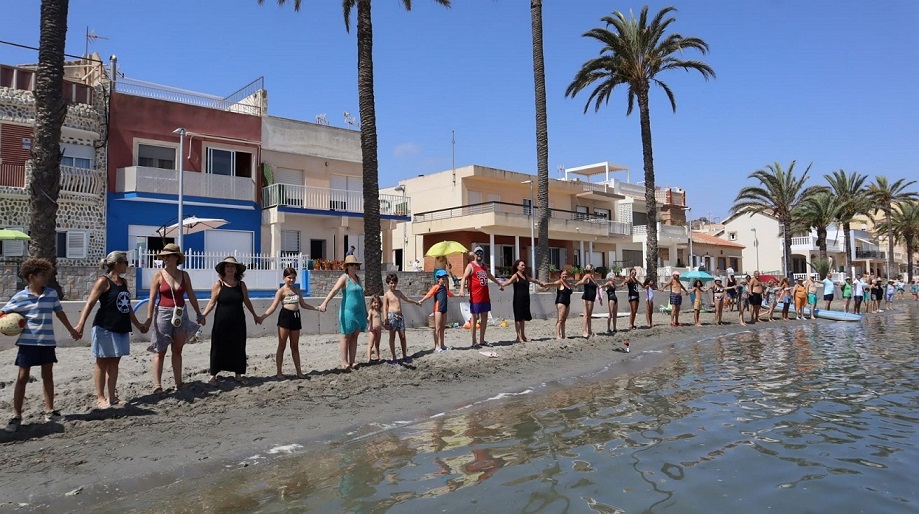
{"x":152,"y":440}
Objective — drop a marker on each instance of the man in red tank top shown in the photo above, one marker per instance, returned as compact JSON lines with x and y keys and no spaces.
{"x":479,"y":301}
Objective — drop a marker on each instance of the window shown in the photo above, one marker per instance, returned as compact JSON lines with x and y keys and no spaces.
{"x":558,"y":257}
{"x":13,"y":248}
{"x":153,"y":156}
{"x":639,"y":218}
{"x":582,"y":212}
{"x":527,"y":206}
{"x":77,"y":156}
{"x":602,"y":213}
{"x":71,"y":244}
{"x":230,"y":163}
{"x":290,"y":241}
{"x":732,"y":236}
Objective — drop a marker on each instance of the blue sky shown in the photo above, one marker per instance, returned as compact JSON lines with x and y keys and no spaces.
{"x":828,"y":82}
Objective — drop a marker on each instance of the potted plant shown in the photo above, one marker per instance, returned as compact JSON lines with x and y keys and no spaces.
{"x":576,"y":271}
{"x":553,"y":272}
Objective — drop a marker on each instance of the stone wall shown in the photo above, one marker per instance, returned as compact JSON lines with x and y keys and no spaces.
{"x":412,"y":283}
{"x":76,"y":281}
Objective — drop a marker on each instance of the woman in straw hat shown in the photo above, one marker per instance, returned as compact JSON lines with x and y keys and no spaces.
{"x":167,"y":312}
{"x":111,"y":330}
{"x":228,"y":337}
{"x":352,"y":314}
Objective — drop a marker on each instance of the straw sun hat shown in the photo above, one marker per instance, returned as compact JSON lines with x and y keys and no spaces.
{"x":221,"y":266}
{"x":172,"y":249}
{"x":350,"y":259}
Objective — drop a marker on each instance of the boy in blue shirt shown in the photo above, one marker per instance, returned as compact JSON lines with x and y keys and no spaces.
{"x":36,"y":343}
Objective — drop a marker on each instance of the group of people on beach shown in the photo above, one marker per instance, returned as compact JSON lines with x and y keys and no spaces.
{"x":171,"y":293}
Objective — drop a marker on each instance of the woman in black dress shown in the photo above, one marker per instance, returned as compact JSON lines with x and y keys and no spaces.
{"x":521,"y":303}
{"x":228,"y":338}
{"x":562,"y":302}
{"x":589,"y":297}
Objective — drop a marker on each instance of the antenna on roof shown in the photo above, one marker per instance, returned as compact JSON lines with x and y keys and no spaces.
{"x":561,"y":170}
{"x":349,"y":119}
{"x":321,"y":119}
{"x":90,"y":37}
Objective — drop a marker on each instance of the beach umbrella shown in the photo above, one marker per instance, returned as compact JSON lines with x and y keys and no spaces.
{"x":765,"y":278}
{"x":445,"y":248}
{"x":8,"y":234}
{"x":191,"y":225}
{"x":696,"y":275}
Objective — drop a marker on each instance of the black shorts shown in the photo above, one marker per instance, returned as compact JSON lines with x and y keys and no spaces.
{"x":32,"y":355}
{"x":756,"y":299}
{"x":289,"y":319}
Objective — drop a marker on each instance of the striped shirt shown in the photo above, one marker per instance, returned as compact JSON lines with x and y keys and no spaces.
{"x":37,"y":310}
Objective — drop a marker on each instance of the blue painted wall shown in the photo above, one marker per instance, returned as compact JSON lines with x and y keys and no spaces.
{"x":146,"y":209}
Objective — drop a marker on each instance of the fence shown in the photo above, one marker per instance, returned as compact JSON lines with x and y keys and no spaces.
{"x":263,"y":271}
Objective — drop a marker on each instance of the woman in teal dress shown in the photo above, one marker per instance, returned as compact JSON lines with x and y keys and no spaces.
{"x":352,"y":314}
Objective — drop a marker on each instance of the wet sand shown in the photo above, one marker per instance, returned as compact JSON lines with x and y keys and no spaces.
{"x":151,"y":439}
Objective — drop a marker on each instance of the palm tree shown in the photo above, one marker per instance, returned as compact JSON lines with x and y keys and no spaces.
{"x":904,"y":224}
{"x":849,"y":190}
{"x":50,"y":110}
{"x":779,"y":193}
{"x":633,"y":54}
{"x":542,"y":142}
{"x":818,"y":211}
{"x":884,"y":194}
{"x":371,"y":184}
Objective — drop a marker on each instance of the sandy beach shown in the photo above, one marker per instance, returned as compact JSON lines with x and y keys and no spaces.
{"x":152,"y":439}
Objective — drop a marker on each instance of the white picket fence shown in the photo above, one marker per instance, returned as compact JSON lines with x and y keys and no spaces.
{"x":263,"y":271}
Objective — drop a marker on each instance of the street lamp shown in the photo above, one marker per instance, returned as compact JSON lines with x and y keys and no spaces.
{"x":756,"y":245}
{"x":401,"y":188}
{"x":532,"y":229}
{"x":181,"y":225}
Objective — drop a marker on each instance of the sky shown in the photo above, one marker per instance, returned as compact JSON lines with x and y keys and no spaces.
{"x":832,"y":83}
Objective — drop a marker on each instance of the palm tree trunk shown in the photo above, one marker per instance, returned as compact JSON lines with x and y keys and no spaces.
{"x":650,"y":199}
{"x":50,"y":110}
{"x":541,"y":266}
{"x":821,"y":242}
{"x":909,"y":260}
{"x":373,"y":279}
{"x":889,"y":243}
{"x":847,"y":238}
{"x":786,"y":238}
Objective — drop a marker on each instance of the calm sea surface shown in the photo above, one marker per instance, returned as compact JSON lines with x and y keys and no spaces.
{"x":805,"y":417}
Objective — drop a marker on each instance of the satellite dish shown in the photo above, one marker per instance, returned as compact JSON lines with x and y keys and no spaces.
{"x":321,"y":119}
{"x":349,"y":119}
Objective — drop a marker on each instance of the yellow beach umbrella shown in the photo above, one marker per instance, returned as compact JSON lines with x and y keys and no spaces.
{"x":445,"y":248}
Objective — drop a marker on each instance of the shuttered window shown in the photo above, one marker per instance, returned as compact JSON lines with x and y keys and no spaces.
{"x":290,"y":241}
{"x":14,"y":248}
{"x":72,"y":244}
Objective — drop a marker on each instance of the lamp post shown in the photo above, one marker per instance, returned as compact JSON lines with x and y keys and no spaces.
{"x":532,"y":229}
{"x":179,"y":239}
{"x":401,"y":187}
{"x":756,"y":245}
{"x":690,"y":239}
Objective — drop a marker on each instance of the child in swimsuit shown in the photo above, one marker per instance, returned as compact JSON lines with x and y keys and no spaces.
{"x":649,"y":289}
{"x":375,"y":328}
{"x":697,"y":290}
{"x":392,"y":306}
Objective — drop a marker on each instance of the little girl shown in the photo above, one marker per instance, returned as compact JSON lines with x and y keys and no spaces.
{"x":649,"y":304}
{"x":290,"y":300}
{"x":697,"y":290}
{"x":374,"y":327}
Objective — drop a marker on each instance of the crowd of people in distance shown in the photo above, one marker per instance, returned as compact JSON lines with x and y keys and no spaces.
{"x":172,"y":293}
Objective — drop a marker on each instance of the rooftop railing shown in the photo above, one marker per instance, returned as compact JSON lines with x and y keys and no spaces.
{"x":245,"y":100}
{"x":328,"y":199}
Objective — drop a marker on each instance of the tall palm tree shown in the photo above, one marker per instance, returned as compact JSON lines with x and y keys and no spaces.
{"x":779,"y":193}
{"x":50,"y":110}
{"x":542,"y":142}
{"x":849,"y":191}
{"x":633,"y":54}
{"x":817,"y":211}
{"x":904,"y":223}
{"x":884,"y":195}
{"x":371,"y":184}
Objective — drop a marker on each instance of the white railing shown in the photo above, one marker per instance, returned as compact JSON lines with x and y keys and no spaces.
{"x":264,"y":271}
{"x":663,"y":231}
{"x":632,"y":190}
{"x":327,"y":199}
{"x":810,"y":243}
{"x":208,"y":185}
{"x":79,"y":181}
{"x":834,"y":276}
{"x":620,"y":228}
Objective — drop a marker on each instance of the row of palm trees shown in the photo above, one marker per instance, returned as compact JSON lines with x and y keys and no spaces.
{"x":799,"y":208}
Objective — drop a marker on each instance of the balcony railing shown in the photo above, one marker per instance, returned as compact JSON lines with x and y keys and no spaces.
{"x":161,"y":181}
{"x":23,"y":79}
{"x":327,"y":199}
{"x":870,"y":254}
{"x":246,"y":100}
{"x":663,"y":231}
{"x":620,"y":228}
{"x":79,"y":181}
{"x":809,"y":243}
{"x":504,"y":208}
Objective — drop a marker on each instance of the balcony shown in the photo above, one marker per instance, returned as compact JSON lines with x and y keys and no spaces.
{"x":665,"y":197}
{"x":869,"y":255}
{"x":141,"y":179}
{"x":23,"y":79}
{"x":508,"y":217}
{"x":668,"y":233}
{"x":330,"y":200}
{"x":804,"y":244}
{"x":78,"y":182}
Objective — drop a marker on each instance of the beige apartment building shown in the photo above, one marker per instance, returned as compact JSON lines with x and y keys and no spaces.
{"x":595,"y":218}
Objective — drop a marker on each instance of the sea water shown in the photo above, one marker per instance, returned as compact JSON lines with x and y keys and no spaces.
{"x":800,"y":417}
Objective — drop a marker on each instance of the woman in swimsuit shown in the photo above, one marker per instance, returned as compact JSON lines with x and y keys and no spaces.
{"x":633,"y":285}
{"x":289,"y":325}
{"x":589,"y":297}
{"x":612,"y":301}
{"x":718,"y":299}
{"x":649,"y":301}
{"x":352,"y":313}
{"x":562,"y":302}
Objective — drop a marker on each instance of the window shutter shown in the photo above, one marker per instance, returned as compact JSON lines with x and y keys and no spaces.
{"x":76,"y":245}
{"x":15,"y":248}
{"x":290,"y":241}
